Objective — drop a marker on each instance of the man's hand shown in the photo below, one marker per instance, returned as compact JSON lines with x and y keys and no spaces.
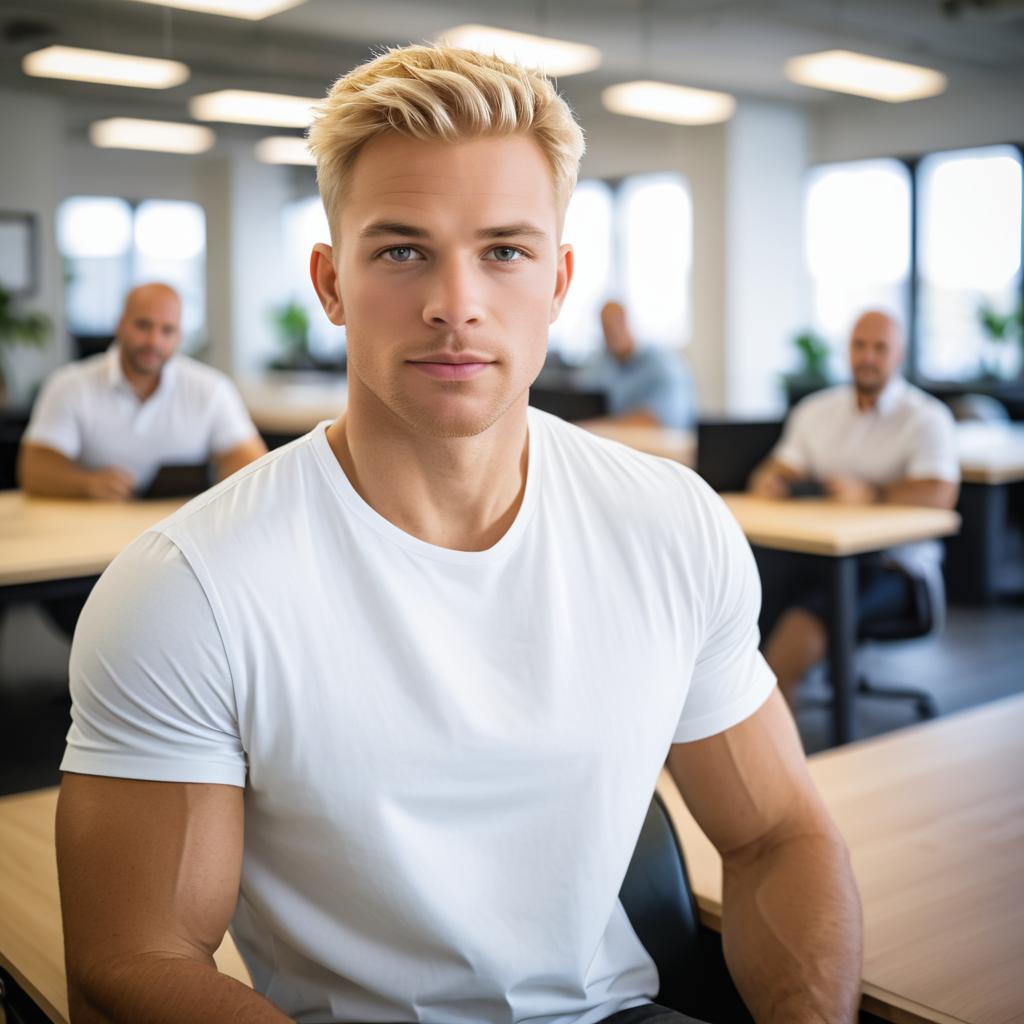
{"x":769,"y":482}
{"x":849,"y":491}
{"x":110,"y":484}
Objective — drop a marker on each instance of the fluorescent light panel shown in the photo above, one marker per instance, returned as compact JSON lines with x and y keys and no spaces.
{"x":674,"y":104}
{"x":284,"y":149}
{"x":159,"y":136}
{"x":552,"y":56}
{"x":861,"y":75}
{"x":251,"y":10}
{"x":79,"y":65}
{"x":241,"y":107}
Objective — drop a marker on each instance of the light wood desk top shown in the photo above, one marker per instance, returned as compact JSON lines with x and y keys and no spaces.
{"x":934,"y":817}
{"x":293,"y":403}
{"x":991,"y":453}
{"x":820,"y":527}
{"x":680,"y":445}
{"x":50,"y":539}
{"x":31,"y":940}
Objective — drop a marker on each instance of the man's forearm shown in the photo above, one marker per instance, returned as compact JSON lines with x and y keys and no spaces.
{"x":929,"y":493}
{"x":159,"y":989}
{"x":792,"y":932}
{"x":50,"y":475}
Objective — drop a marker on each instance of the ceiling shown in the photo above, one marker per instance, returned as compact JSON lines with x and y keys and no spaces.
{"x":734,"y":45}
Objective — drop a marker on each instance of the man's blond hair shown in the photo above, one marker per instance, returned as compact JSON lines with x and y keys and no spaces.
{"x":440,"y":94}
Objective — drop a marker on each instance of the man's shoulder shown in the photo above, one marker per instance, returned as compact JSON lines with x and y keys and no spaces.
{"x":79,"y":373}
{"x":824,"y":400}
{"x":614,"y":473}
{"x":922,"y":404}
{"x":257,"y":501}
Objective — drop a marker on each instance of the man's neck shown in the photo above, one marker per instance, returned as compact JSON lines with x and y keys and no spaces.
{"x":143,"y":384}
{"x":458,"y":493}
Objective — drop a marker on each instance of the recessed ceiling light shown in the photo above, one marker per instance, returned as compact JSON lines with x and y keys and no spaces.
{"x":284,"y":149}
{"x":861,"y":75}
{"x":251,"y":10}
{"x":79,"y":65}
{"x":675,"y":104}
{"x":242,"y":107}
{"x":160,"y":136}
{"x":552,"y":56}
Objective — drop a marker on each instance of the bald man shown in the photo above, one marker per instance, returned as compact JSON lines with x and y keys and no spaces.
{"x":103,"y":427}
{"x":645,"y":384}
{"x":877,"y":439}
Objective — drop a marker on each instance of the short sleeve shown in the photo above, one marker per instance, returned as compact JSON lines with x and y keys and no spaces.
{"x":934,"y":452}
{"x":151,"y":687}
{"x":731,"y":679}
{"x":232,"y":425}
{"x":792,"y":446}
{"x":54,"y":422}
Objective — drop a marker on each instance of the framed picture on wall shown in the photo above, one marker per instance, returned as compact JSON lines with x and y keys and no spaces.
{"x":18,"y":253}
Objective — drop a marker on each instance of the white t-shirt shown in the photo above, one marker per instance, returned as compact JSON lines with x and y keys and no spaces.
{"x":447,"y":755}
{"x":88,"y":412}
{"x":908,"y":435}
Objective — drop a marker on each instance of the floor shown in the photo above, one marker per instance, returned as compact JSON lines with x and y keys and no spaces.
{"x":979,"y":658}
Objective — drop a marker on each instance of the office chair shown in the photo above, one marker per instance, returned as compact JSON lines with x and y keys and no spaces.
{"x":920,"y":621}
{"x":660,"y":906}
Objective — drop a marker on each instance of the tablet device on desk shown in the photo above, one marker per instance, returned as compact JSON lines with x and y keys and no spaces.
{"x":178,"y":481}
{"x":807,"y":488}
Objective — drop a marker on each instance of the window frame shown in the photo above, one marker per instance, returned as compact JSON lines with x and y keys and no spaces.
{"x":913,"y":326}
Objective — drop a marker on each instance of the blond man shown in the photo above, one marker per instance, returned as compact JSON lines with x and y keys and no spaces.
{"x":426,"y":663}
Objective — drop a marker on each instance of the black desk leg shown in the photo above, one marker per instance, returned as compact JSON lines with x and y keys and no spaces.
{"x":842,"y":637}
{"x":973,"y":556}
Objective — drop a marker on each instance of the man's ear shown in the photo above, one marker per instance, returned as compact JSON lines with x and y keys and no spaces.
{"x":563,"y":278}
{"x":325,"y":280}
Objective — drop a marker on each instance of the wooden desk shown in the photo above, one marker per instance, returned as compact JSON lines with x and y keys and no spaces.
{"x":991,"y":461}
{"x":31,"y":940}
{"x":46,"y":540}
{"x":293,"y":403}
{"x":840,"y":533}
{"x":680,"y":445}
{"x":934,"y":817}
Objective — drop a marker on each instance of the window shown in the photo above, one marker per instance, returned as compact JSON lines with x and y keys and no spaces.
{"x":857,"y":223}
{"x":633,"y":241}
{"x":969,"y":253}
{"x":305,"y":224}
{"x":109,"y":245}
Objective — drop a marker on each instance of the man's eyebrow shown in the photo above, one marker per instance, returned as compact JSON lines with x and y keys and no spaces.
{"x":396,"y":228}
{"x":390,"y":227}
{"x":520,"y":230}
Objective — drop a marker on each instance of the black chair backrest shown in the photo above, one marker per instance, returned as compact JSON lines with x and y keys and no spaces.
{"x":568,"y":404}
{"x":660,"y":906}
{"x":919,"y":620}
{"x":729,"y":450}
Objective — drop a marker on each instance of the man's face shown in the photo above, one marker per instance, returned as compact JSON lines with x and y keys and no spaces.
{"x":617,"y":336}
{"x":876,"y":350}
{"x":149,"y":330}
{"x":449,"y":273}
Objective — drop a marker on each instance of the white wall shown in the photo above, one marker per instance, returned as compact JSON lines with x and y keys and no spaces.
{"x":850,"y":129}
{"x":31,"y":157}
{"x":766,"y":293}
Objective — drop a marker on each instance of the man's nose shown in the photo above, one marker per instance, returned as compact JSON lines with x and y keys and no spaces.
{"x":454,"y":298}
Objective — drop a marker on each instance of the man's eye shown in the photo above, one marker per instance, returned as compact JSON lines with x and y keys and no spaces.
{"x":400,"y":253}
{"x":507,"y":254}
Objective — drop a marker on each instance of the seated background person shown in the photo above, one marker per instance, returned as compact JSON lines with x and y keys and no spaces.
{"x":102,"y":427}
{"x":645,"y":384}
{"x":877,"y":439}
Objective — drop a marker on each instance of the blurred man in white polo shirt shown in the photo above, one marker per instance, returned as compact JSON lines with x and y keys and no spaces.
{"x":103,"y":427}
{"x":878,"y":439}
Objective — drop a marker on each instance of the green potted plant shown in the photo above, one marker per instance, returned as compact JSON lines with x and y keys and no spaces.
{"x":292,"y":323}
{"x":811,"y":373}
{"x":18,"y":329}
{"x":1001,"y":330}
